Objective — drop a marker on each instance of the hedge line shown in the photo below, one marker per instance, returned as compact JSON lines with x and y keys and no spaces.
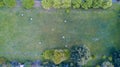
{"x":47,"y":4}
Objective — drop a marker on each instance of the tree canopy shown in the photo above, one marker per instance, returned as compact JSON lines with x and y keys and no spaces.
{"x":28,"y":3}
{"x":80,"y":54}
{"x":10,"y":3}
{"x":57,"y":55}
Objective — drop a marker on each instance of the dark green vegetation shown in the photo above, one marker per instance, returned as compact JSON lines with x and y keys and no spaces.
{"x":7,"y":3}
{"x":28,"y":4}
{"x":22,"y":38}
{"x":85,"y":4}
{"x":80,"y":54}
{"x":62,"y":54}
{"x":116,"y":58}
{"x":10,"y":3}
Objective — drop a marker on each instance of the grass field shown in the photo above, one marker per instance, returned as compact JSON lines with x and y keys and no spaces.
{"x":24,"y":39}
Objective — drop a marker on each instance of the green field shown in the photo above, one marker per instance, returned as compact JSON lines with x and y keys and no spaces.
{"x":24,"y":39}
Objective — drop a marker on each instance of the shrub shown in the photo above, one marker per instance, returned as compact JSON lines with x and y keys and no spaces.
{"x":37,"y":63}
{"x":28,"y":64}
{"x":66,"y":3}
{"x":47,"y":4}
{"x":80,"y":54}
{"x":107,"y":64}
{"x":1,"y":3}
{"x":2,"y":60}
{"x":57,"y":3}
{"x":76,"y":3}
{"x":10,"y":3}
{"x":14,"y":64}
{"x":106,"y":4}
{"x":57,"y":56}
{"x":86,"y":4}
{"x":28,"y":4}
{"x":69,"y":64}
{"x":116,"y":58}
{"x":97,"y":3}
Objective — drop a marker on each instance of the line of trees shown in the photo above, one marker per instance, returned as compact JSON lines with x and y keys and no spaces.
{"x":47,"y":4}
{"x":85,"y":4}
{"x":76,"y":56}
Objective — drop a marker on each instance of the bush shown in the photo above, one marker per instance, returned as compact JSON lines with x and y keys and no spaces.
{"x":116,"y":58}
{"x":57,"y":56}
{"x":87,"y":4}
{"x":107,"y":64}
{"x":37,"y":63}
{"x":97,"y":3}
{"x":28,"y":4}
{"x":10,"y":3}
{"x":14,"y":64}
{"x":80,"y":54}
{"x":106,"y":4}
{"x":2,"y":60}
{"x":66,"y":3}
{"x":1,"y":3}
{"x":69,"y":64}
{"x":57,"y":3}
{"x":47,"y":4}
{"x":28,"y":64}
{"x":76,"y":3}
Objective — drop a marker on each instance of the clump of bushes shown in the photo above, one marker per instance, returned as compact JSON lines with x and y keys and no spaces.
{"x":107,"y":64}
{"x":78,"y":54}
{"x":85,"y":4}
{"x":28,"y":4}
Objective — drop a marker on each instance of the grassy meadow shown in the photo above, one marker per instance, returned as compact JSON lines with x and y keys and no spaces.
{"x":24,"y":39}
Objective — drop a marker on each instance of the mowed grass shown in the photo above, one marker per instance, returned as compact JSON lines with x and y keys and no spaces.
{"x":24,"y":39}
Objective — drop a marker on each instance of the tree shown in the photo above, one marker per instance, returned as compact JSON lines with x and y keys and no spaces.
{"x":62,"y":55}
{"x":106,"y":4}
{"x":28,"y":4}
{"x":47,"y":4}
{"x":80,"y":54}
{"x":107,"y":64}
{"x":57,"y":3}
{"x":57,"y":55}
{"x":10,"y":3}
{"x":116,"y":58}
{"x":97,"y":3}
{"x":76,"y":3}
{"x":66,"y":3}
{"x":86,"y":4}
